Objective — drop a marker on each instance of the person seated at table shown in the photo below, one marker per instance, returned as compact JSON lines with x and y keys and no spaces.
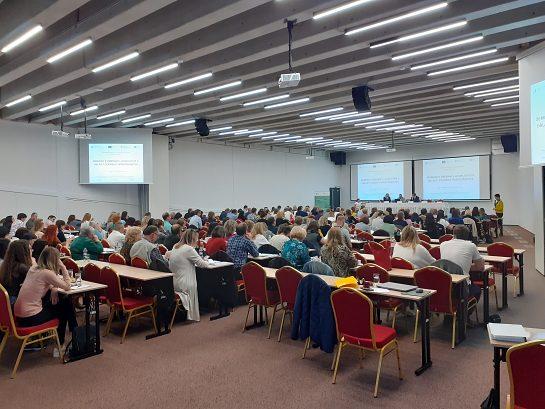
{"x":183,"y":262}
{"x":294,"y":250}
{"x":400,"y":222}
{"x":388,"y":211}
{"x":388,"y":225}
{"x":146,"y":249}
{"x":217,"y":242}
{"x":423,"y":213}
{"x":336,"y":254}
{"x":257,"y":234}
{"x":298,"y":221}
{"x":323,"y":223}
{"x":400,"y":198}
{"x":86,"y":240}
{"x":314,"y":237}
{"x":39,"y":300}
{"x":482,"y":215}
{"x":410,"y":249}
{"x":386,"y":198}
{"x":17,"y":224}
{"x":173,"y":237}
{"x":230,"y":227}
{"x":414,"y":198}
{"x":97,"y":228}
{"x":4,"y":244}
{"x":37,"y":248}
{"x":196,"y":220}
{"x":349,"y":216}
{"x":31,"y":220}
{"x":363,"y":224}
{"x":271,"y":228}
{"x":132,"y":235}
{"x":456,"y":218}
{"x":239,"y":246}
{"x":378,"y":221}
{"x":51,"y":235}
{"x":281,"y":237}
{"x":37,"y":228}
{"x":441,"y":219}
{"x":339,"y":222}
{"x":433,"y":229}
{"x":61,"y":225}
{"x":167,"y":219}
{"x":301,"y":212}
{"x":415,"y":218}
{"x":14,"y":268}
{"x":116,"y":238}
{"x":280,"y":218}
{"x":469,"y":220}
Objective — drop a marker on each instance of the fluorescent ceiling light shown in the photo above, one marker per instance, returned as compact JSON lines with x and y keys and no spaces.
{"x":232,"y":132}
{"x":117,"y":113}
{"x":485,"y":91}
{"x":411,"y":131}
{"x":189,"y":80}
{"x":500,"y":98}
{"x":467,"y":67}
{"x":450,"y":136}
{"x":421,"y":34}
{"x":69,"y":51}
{"x":397,"y":18}
{"x":382,"y":121}
{"x":258,"y":135}
{"x":292,"y":102}
{"x":340,"y":8}
{"x":480,"y":84}
{"x":394,"y":128}
{"x":155,"y":71}
{"x":159,"y":121}
{"x":304,"y":140}
{"x":217,"y":88}
{"x":136,"y":118}
{"x":504,"y":103}
{"x":336,"y":116}
{"x":81,"y":111}
{"x":380,"y":126}
{"x":18,"y":101}
{"x":246,"y":131}
{"x":357,"y":114}
{"x":325,"y":111}
{"x":437,"y":48}
{"x":52,"y":106}
{"x":349,"y":121}
{"x":22,"y":38}
{"x":117,"y":61}
{"x":459,"y":140}
{"x":189,"y":121}
{"x":323,"y":140}
{"x":262,"y":101}
{"x":442,"y":135}
{"x":223,"y":128}
{"x":487,"y":94}
{"x":275,"y":136}
{"x":453,"y":59}
{"x":326,"y":142}
{"x":286,"y":138}
{"x":243,"y":94}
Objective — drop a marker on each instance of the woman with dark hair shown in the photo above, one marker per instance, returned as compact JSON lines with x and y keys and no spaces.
{"x":441,"y":219}
{"x":37,"y":248}
{"x":314,"y":237}
{"x":60,"y":231}
{"x":8,"y":221}
{"x":433,"y":229}
{"x":415,"y":218}
{"x":15,"y":266}
{"x":124,"y":215}
{"x":475,"y":213}
{"x":130,"y":221}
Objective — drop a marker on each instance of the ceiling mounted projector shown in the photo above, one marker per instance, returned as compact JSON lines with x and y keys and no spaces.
{"x":290,"y":79}
{"x":60,"y":133}
{"x":82,"y":136}
{"x":390,"y":150}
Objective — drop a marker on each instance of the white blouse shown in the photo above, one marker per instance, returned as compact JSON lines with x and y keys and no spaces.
{"x":419,"y":257}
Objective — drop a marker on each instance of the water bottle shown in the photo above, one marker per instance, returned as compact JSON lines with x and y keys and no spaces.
{"x":78,"y":279}
{"x":85,"y":254}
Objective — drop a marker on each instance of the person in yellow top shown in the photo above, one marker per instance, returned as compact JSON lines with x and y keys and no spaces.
{"x":498,"y":208}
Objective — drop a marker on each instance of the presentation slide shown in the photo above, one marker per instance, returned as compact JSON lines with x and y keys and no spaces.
{"x":374,"y":180}
{"x":462,"y":178}
{"x":116,"y":163}
{"x":537,"y":115}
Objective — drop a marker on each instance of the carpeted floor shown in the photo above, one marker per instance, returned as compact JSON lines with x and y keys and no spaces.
{"x":215,"y":365}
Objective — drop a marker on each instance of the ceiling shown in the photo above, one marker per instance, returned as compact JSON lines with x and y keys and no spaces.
{"x":245,"y":42}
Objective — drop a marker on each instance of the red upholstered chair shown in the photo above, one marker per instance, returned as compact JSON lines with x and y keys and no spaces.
{"x":116,"y":258}
{"x":367,"y":247}
{"x":445,"y":237}
{"x":91,"y":272}
{"x":105,"y":243}
{"x":71,"y":228}
{"x":66,"y":251}
{"x":354,"y":320}
{"x":400,"y":262}
{"x":382,"y":254}
{"x":363,"y":235}
{"x":360,"y":257}
{"x":426,"y":245}
{"x":29,"y":335}
{"x":257,"y":294}
{"x":424,"y":237}
{"x":435,"y":252}
{"x":526,"y":366}
{"x":138,"y":262}
{"x":202,"y":234}
{"x":491,"y":284}
{"x":287,"y":279}
{"x":133,"y":306}
{"x":384,"y":243}
{"x":162,"y":249}
{"x":505,"y":250}
{"x":70,"y":264}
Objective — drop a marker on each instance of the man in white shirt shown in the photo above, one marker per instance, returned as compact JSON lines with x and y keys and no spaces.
{"x":461,"y":251}
{"x":378,"y":221}
{"x":116,"y":238}
{"x":196,"y":220}
{"x":17,"y":224}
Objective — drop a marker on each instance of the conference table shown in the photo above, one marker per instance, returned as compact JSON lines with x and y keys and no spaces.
{"x":519,"y":256}
{"x":412,"y":207}
{"x":422,"y":300}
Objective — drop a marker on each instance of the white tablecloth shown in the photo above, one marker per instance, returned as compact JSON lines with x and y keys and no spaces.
{"x":411,"y":207}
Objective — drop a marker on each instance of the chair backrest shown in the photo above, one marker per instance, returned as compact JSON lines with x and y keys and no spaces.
{"x":288,"y":280}
{"x":268,"y":249}
{"x":400,"y":262}
{"x":202,"y":233}
{"x":503,"y":250}
{"x":7,"y":323}
{"x":367,"y":271}
{"x":424,"y":237}
{"x":353,"y":313}
{"x":105,"y":243}
{"x":116,"y":258}
{"x":384,"y":243}
{"x":66,"y":251}
{"x":434,"y":278}
{"x":139,"y":262}
{"x":70,"y":264}
{"x":435,"y":252}
{"x":364,"y":235}
{"x":317,"y":267}
{"x":91,"y":272}
{"x":445,"y":237}
{"x":449,"y":266}
{"x":367,"y":247}
{"x":426,"y":245}
{"x":110,"y":278}
{"x":162,"y":249}
{"x":221,"y":255}
{"x":526,"y":366}
{"x":360,"y":257}
{"x":382,"y":254}
{"x":381,"y":232}
{"x":279,"y":262}
{"x":255,"y":283}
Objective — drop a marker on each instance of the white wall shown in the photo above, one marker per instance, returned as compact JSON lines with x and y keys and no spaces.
{"x":40,"y":172}
{"x":159,"y":190}
{"x":212,"y":177}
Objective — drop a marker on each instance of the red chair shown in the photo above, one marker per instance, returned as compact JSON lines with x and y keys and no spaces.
{"x":435,"y":252}
{"x":399,"y":262}
{"x":526,"y":366}
{"x":202,"y":234}
{"x":116,"y":258}
{"x":162,"y":249}
{"x":441,"y":302}
{"x":382,"y":254}
{"x":287,"y":279}
{"x":70,"y":264}
{"x":367,"y":247}
{"x":71,"y":228}
{"x":134,"y":306}
{"x":91,"y":272}
{"x":445,"y":237}
{"x":353,"y":313}
{"x":66,"y":251}
{"x":257,"y":294}
{"x":29,"y":335}
{"x":360,"y":257}
{"x":424,"y":237}
{"x":505,"y":250}
{"x":363,"y":235}
{"x":139,"y":263}
{"x":105,"y":243}
{"x":385,"y":243}
{"x":426,"y":245}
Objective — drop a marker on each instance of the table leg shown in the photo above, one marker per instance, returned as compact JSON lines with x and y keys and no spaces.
{"x":496,"y":393}
{"x":87,"y":303}
{"x":424,"y":307}
{"x":520,"y":260}
{"x":486,"y":299}
{"x":461,"y":316}
{"x":97,"y":323}
{"x":503,"y":286}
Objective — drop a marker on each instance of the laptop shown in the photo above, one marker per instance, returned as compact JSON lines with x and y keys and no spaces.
{"x":402,"y":288}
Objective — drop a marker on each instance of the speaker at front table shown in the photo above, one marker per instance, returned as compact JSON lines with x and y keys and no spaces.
{"x":361,"y":99}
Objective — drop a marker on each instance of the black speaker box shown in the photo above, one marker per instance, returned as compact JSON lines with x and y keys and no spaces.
{"x":360,"y":97}
{"x":509,"y":143}
{"x":339,"y":158}
{"x":202,"y":127}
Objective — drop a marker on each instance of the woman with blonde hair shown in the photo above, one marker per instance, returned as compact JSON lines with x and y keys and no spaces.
{"x":86,"y":218}
{"x":410,"y":249}
{"x":294,"y":250}
{"x":38,"y":227}
{"x":230,"y":226}
{"x":132,"y":235}
{"x":280,"y":218}
{"x":323,"y":223}
{"x":336,"y":254}
{"x":257,"y":235}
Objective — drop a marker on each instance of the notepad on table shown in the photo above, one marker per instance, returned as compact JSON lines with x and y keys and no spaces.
{"x":507,"y":332}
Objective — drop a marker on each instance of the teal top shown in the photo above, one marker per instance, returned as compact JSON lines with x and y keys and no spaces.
{"x":94,"y":248}
{"x":296,"y":253}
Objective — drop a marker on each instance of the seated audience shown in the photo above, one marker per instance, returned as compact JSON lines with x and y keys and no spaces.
{"x":217,"y":242}
{"x":441,"y":219}
{"x":400,"y":222}
{"x":336,"y":254}
{"x":86,"y":240}
{"x":230,"y":227}
{"x":167,"y":219}
{"x":378,"y":221}
{"x":314,"y":237}
{"x":20,"y":222}
{"x":363,"y":224}
{"x":132,"y":235}
{"x":31,"y":220}
{"x":14,"y":268}
{"x":280,"y":218}
{"x":411,"y":250}
{"x":433,"y":229}
{"x":51,"y":235}
{"x":294,"y":249}
{"x":239,"y":246}
{"x":469,"y":220}
{"x":389,"y":225}
{"x":37,"y":248}
{"x":195,"y":220}
{"x":339,"y":222}
{"x":61,"y":225}
{"x":4,"y":244}
{"x":324,"y":225}
{"x":482,"y":215}
{"x":146,"y":249}
{"x":455,"y":219}
{"x":281,"y":237}
{"x":173,"y":237}
{"x":257,"y":234}
{"x":116,"y":238}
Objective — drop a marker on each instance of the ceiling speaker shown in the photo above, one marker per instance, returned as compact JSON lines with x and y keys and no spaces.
{"x":360,"y":97}
{"x":202,"y":127}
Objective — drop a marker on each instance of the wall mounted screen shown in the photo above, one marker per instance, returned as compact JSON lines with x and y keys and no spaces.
{"x":371,"y":181}
{"x":537,"y":122}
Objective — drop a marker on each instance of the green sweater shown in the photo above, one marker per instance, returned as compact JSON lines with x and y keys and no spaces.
{"x":94,"y":248}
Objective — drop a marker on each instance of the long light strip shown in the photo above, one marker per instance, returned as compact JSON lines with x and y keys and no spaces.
{"x":336,"y":116}
{"x":485,"y":91}
{"x":505,"y":103}
{"x":52,"y":106}
{"x":437,"y":48}
{"x":323,"y":140}
{"x":395,"y":128}
{"x":159,"y":121}
{"x":18,"y":101}
{"x":459,"y":140}
{"x":22,"y":38}
{"x":231,"y":132}
{"x":467,"y":67}
{"x":189,"y":80}
{"x":480,"y":84}
{"x":188,"y":122}
{"x":259,"y":135}
{"x":410,"y":131}
{"x":116,"y":62}
{"x":262,"y":101}
{"x":219,"y":87}
{"x":340,"y":8}
{"x":155,"y":71}
{"x":500,"y":98}
{"x":246,"y":132}
{"x":81,"y":111}
{"x":305,"y":140}
{"x":292,"y":102}
{"x":442,"y":135}
{"x":421,"y":34}
{"x":136,"y":118}
{"x":275,"y":136}
{"x":70,"y":50}
{"x":380,"y":126}
{"x":325,"y":111}
{"x":223,"y":128}
{"x":382,"y":121}
{"x":117,"y":113}
{"x":243,"y":94}
{"x":488,"y":94}
{"x":398,"y":18}
{"x":453,"y":59}
{"x":349,"y":121}
{"x":357,"y":114}
{"x":286,"y":138}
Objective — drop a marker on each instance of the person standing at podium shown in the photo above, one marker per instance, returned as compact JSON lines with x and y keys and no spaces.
{"x":498,"y":208}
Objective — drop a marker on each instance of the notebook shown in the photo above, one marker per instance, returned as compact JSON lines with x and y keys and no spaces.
{"x":507,"y":332}
{"x":403,"y":288}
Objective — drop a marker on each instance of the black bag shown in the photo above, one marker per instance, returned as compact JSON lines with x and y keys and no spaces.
{"x":78,"y":346}
{"x":488,"y":403}
{"x":488,"y":238}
